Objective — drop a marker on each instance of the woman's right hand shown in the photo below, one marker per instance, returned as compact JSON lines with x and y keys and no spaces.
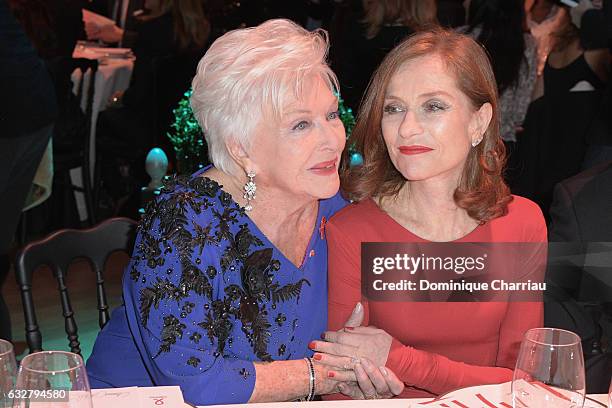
{"x":365,"y":381}
{"x":371,"y":381}
{"x":328,"y":378}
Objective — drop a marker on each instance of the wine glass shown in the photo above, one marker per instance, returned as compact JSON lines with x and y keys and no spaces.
{"x":549,"y":370}
{"x":8,"y":372}
{"x":610,"y":395}
{"x":52,"y":378}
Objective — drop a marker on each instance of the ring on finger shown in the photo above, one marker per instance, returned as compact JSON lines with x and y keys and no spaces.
{"x":351,"y":364}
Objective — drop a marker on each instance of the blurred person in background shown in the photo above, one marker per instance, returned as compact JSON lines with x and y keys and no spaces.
{"x":594,"y":19}
{"x":579,"y":297}
{"x":371,"y":35}
{"x":53,"y":26}
{"x":123,"y":12}
{"x":561,"y":121}
{"x":227,"y":15}
{"x":172,"y":27}
{"x":579,"y":292}
{"x":543,"y":17}
{"x":499,"y":26}
{"x":570,"y":62}
{"x":27,"y":112}
{"x":169,"y":42}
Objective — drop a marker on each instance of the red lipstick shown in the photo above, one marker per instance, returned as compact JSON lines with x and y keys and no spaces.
{"x":414,"y":149}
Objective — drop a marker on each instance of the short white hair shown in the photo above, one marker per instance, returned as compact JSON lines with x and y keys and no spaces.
{"x":249,"y":75}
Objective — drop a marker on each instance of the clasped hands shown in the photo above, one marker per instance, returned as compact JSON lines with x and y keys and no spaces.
{"x":364,"y":350}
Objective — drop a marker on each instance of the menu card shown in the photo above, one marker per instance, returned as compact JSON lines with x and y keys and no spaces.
{"x":138,"y":397}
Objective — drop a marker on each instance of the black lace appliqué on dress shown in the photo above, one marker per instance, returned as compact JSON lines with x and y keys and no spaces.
{"x":167,"y":229}
{"x":172,"y":330}
{"x":193,"y":361}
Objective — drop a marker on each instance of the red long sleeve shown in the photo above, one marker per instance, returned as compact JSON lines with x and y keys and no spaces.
{"x":437,"y":347}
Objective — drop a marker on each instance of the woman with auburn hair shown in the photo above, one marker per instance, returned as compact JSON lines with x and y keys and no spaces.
{"x":433,"y":162}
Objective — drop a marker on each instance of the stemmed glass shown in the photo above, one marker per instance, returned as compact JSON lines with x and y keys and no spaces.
{"x":549,"y":370}
{"x":53,"y":378}
{"x":8,"y":372}
{"x":610,"y":395}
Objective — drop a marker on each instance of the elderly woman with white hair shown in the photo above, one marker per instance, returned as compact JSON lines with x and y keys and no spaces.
{"x":227,"y":285}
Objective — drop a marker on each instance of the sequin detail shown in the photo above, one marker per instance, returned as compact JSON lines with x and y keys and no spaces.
{"x":234,"y":301}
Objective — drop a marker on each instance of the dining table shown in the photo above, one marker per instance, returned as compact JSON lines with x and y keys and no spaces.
{"x":115,"y":67}
{"x":484,"y":396}
{"x":387,"y":403}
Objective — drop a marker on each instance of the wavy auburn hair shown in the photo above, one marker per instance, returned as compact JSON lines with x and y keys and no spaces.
{"x":482,"y":191}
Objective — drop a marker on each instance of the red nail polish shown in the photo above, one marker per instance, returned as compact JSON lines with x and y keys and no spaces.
{"x":312,"y":345}
{"x":317,"y":357}
{"x":349,"y":328}
{"x":331,"y":374}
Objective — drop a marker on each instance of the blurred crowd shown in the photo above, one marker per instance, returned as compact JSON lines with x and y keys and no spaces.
{"x":541,"y":50}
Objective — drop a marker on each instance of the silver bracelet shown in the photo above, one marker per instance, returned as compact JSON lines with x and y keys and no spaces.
{"x":311,"y":372}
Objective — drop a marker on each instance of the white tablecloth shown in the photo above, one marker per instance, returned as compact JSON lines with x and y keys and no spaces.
{"x":113,"y":75}
{"x":171,"y":396}
{"x":43,"y":180}
{"x":388,"y":403}
{"x":492,"y":395}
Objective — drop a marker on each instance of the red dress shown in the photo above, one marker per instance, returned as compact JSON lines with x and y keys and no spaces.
{"x":437,"y":347}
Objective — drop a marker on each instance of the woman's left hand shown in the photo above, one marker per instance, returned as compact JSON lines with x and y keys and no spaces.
{"x":372,"y":382}
{"x":344,"y":348}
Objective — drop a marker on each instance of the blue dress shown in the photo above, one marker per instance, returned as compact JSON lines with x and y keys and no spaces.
{"x":206,"y":294}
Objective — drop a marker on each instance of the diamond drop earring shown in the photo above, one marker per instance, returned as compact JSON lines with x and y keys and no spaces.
{"x":249,"y":190}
